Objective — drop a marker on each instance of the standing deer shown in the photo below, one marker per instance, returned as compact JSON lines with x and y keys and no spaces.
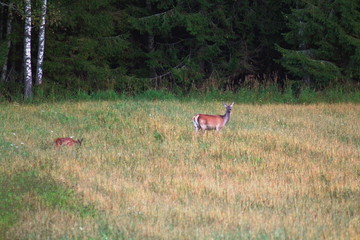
{"x":210,"y":122}
{"x":67,"y":142}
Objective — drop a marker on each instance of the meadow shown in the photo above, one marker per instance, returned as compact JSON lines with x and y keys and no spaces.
{"x":276,"y":171}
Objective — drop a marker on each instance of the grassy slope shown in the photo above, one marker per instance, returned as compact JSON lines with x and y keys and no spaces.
{"x":276,"y":171}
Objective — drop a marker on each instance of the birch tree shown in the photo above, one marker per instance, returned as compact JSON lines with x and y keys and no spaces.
{"x":27,"y":51}
{"x":41,"y":49}
{"x":8,"y":44}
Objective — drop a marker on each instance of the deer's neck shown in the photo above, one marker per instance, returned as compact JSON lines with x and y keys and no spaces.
{"x":226,"y":117}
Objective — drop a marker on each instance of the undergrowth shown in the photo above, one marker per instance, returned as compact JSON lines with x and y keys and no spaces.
{"x":262,"y":95}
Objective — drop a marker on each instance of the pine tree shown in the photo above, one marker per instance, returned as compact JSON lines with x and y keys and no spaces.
{"x":185,"y":38}
{"x":324,"y":40}
{"x":82,"y":44}
{"x":196,"y":40}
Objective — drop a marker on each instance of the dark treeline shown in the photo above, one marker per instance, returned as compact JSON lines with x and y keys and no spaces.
{"x":130,"y":46}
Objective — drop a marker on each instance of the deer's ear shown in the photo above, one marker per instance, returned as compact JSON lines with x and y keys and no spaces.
{"x":225,"y":105}
{"x":232,"y":104}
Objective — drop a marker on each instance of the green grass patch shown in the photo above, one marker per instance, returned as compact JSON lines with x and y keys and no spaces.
{"x":261,"y":95}
{"x":275,"y":171}
{"x":29,"y":184}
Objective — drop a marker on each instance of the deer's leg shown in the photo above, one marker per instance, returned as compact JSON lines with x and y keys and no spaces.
{"x":196,"y":125}
{"x":203,"y":127}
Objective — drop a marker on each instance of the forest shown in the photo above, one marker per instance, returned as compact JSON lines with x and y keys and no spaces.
{"x":128,"y":47}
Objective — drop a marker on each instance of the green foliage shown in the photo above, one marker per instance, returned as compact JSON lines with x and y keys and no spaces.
{"x":324,"y":42}
{"x":3,"y":52}
{"x":83,"y":55}
{"x":130,"y":47}
{"x":155,"y":95}
{"x":263,"y":95}
{"x":11,"y":91}
{"x":307,"y":96}
{"x":301,"y":65}
{"x":106,"y":95}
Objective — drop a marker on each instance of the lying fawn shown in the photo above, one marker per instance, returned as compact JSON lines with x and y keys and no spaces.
{"x":67,"y":142}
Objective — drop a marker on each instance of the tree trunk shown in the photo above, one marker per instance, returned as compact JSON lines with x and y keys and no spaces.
{"x":151,"y":48}
{"x":1,"y":18}
{"x":302,"y":47}
{"x":27,"y":51}
{"x":41,"y":50}
{"x":153,"y":74}
{"x":7,"y":37}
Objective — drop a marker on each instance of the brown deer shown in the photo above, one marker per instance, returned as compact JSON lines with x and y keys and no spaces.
{"x":67,"y":142}
{"x":211,"y":122}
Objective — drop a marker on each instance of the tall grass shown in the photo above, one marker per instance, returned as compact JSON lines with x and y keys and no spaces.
{"x":261,"y":95}
{"x":274,"y":172}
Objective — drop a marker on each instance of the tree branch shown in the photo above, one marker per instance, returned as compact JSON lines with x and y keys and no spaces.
{"x":158,"y":14}
{"x":179,"y":66}
{"x":112,"y":37}
{"x":12,"y":6}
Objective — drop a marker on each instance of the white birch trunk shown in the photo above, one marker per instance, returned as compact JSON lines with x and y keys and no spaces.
{"x":41,"y":50}
{"x":27,"y":51}
{"x":7,"y":37}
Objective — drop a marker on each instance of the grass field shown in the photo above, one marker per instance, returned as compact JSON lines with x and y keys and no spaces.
{"x":274,"y":172}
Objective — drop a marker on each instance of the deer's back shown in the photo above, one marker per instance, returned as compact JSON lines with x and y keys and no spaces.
{"x":65,"y":141}
{"x":210,"y":120}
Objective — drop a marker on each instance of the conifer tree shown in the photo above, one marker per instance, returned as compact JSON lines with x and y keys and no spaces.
{"x":187,"y":37}
{"x":324,"y":40}
{"x":83,"y":41}
{"x":199,"y":40}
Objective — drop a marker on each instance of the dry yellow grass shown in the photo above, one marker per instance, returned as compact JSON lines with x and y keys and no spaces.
{"x":274,"y":172}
